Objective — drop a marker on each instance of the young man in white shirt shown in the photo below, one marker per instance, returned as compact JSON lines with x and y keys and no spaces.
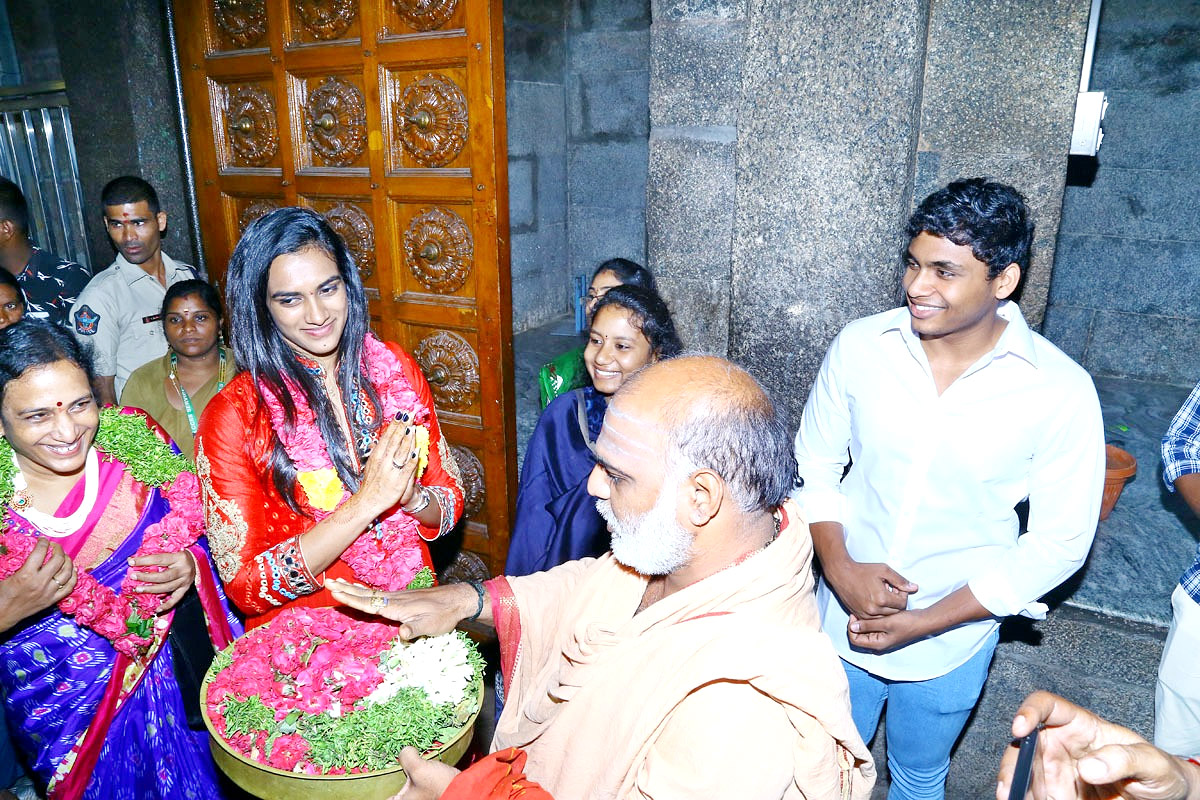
{"x":950,"y":411}
{"x":119,"y":313}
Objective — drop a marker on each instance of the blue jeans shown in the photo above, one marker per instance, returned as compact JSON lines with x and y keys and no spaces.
{"x":924,"y":720}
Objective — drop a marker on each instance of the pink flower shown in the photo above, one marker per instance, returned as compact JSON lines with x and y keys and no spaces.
{"x":10,"y":563}
{"x":185,"y":487}
{"x":287,"y":751}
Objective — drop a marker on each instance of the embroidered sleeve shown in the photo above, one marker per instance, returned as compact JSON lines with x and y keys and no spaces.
{"x":441,"y":476}
{"x":281,"y":572}
{"x":249,"y":528}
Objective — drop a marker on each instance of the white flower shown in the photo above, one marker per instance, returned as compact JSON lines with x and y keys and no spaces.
{"x":438,"y":665}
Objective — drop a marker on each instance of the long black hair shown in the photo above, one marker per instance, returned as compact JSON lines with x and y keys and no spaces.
{"x":260,"y":349}
{"x":32,"y":343}
{"x":649,"y":314}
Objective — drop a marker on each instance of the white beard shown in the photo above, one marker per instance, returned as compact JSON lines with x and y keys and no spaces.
{"x":651,"y":543}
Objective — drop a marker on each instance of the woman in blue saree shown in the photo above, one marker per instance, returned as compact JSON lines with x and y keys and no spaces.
{"x":98,"y":547}
{"x":556,"y":518}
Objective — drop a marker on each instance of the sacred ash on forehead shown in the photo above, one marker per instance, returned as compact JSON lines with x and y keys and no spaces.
{"x":626,"y":434}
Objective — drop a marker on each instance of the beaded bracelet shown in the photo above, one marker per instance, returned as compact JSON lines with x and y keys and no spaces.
{"x":479,"y":590}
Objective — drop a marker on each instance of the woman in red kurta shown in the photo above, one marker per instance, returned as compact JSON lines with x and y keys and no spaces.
{"x":324,"y":457}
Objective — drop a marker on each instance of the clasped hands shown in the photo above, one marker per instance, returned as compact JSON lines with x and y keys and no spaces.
{"x":877,"y":599}
{"x":390,"y":474}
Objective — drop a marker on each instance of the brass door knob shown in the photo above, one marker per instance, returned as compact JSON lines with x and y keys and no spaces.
{"x":439,"y":375}
{"x":431,"y":252}
{"x":422,"y":118}
{"x":326,"y":122}
{"x":243,"y":125}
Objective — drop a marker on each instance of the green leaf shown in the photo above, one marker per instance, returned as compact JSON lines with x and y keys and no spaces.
{"x":422,"y":580}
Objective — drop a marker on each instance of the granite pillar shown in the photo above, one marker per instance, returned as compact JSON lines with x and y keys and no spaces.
{"x":1004,"y":112}
{"x":790,"y":140}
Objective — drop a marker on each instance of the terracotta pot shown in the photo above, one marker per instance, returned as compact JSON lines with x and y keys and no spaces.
{"x":1120,"y":467}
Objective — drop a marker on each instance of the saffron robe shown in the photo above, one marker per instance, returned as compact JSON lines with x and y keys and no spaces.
{"x":726,"y":688}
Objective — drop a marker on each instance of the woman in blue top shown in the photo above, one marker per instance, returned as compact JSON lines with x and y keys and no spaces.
{"x":556,"y":518}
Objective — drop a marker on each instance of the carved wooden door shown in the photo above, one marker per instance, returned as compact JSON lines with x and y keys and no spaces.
{"x":386,"y":116}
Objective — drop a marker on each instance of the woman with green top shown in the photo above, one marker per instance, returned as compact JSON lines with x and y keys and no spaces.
{"x":568,"y":372}
{"x":174,"y":389}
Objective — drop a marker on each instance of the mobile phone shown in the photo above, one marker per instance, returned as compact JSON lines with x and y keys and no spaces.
{"x":1024,"y":769}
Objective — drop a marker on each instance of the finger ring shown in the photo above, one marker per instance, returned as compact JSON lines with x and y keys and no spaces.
{"x":378,"y":601}
{"x":397,"y":466}
{"x":57,"y":581}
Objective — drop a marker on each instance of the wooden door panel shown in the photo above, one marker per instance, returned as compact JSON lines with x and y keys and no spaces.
{"x":419,"y":19}
{"x":318,"y":22}
{"x":234,"y":25}
{"x":387,"y":117}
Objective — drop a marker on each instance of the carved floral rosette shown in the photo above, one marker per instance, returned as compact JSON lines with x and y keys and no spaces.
{"x":254,"y":211}
{"x":335,"y":117}
{"x":244,"y":22}
{"x":439,"y":249}
{"x":253,"y":134}
{"x":465,"y":567}
{"x":326,"y":19}
{"x":355,"y":227}
{"x":425,"y":15}
{"x":452,"y":369}
{"x":431,"y":117}
{"x":471,"y":474}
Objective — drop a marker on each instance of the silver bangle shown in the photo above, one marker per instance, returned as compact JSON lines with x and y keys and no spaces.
{"x":420,"y":506}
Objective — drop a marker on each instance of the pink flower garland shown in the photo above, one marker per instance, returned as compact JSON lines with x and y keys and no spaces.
{"x":126,"y":619}
{"x":388,"y":555}
{"x":314,"y":660}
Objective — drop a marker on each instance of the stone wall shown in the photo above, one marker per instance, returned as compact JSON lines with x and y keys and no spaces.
{"x":535,"y":69}
{"x":1125,"y":300}
{"x":115,"y":63}
{"x":790,"y":140}
{"x":577,"y":85}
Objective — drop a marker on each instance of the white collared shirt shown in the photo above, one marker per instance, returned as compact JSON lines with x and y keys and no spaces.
{"x":934,"y":479}
{"x":118,"y":315}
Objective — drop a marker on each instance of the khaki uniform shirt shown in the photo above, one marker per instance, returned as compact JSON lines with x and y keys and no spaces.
{"x":119,"y":316}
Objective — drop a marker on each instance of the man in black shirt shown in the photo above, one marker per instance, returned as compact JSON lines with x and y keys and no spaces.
{"x":50,"y":283}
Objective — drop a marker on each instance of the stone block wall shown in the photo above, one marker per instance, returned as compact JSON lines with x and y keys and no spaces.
{"x":534,"y":63}
{"x":578,"y":84}
{"x":1125,"y":299}
{"x":608,"y":59}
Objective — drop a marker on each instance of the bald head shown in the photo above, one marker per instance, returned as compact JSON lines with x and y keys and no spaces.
{"x":709,"y":413}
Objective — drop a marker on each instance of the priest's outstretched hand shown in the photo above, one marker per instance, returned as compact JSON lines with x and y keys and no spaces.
{"x":420,"y":612}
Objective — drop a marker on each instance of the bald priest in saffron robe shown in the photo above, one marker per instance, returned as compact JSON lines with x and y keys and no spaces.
{"x":726,"y":689}
{"x":686,"y":663}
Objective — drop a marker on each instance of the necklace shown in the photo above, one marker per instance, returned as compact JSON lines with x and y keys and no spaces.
{"x":188,"y":408}
{"x":52,"y":526}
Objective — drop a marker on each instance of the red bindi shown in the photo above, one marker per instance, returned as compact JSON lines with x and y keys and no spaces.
{"x":60,"y":403}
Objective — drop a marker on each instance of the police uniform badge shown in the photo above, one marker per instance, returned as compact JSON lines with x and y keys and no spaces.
{"x":86,"y":321}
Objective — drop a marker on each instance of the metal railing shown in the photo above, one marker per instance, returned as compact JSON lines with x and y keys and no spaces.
{"x":37,"y":152}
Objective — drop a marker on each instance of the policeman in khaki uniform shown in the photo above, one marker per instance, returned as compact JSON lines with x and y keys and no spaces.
{"x":119,"y":313}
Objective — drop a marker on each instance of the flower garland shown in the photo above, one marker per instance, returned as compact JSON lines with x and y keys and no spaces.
{"x":127,"y":619}
{"x":388,"y":555}
{"x":315,"y":691}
